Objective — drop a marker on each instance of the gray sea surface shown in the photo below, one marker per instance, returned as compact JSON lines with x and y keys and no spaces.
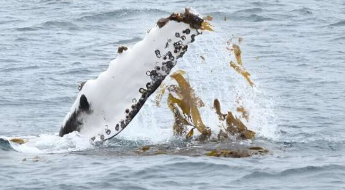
{"x":295,"y":51}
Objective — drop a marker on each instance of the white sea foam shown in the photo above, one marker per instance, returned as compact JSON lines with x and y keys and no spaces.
{"x":51,"y":143}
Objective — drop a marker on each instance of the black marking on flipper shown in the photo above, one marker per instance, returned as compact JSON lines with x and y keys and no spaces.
{"x":83,"y":103}
{"x":73,"y":123}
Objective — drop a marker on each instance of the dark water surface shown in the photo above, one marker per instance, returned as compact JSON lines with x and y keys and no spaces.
{"x":295,"y":51}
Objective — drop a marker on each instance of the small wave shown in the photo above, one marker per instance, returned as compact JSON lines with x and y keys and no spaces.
{"x":303,"y":11}
{"x":252,"y":10}
{"x":120,"y":13}
{"x":129,"y":41}
{"x":338,"y":39}
{"x":340,"y":23}
{"x":59,"y":24}
{"x":50,"y":25}
{"x":5,"y":145}
{"x":27,"y":29}
{"x":266,"y":4}
{"x":75,"y":71}
{"x":25,"y":68}
{"x":292,"y":172}
{"x":241,"y":16}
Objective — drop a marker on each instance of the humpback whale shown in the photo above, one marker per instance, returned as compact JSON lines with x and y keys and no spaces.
{"x":106,"y":105}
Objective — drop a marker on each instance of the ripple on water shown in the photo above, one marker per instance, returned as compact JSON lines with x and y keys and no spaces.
{"x":340,"y":23}
{"x":307,"y":172}
{"x":121,"y":13}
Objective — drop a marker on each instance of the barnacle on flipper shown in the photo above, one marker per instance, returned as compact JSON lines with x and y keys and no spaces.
{"x":122,"y":49}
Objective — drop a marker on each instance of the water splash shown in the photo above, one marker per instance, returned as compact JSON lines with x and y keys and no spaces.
{"x":210,"y":75}
{"x":50,"y":143}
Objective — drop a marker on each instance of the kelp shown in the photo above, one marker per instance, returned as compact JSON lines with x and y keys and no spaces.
{"x":188,"y":103}
{"x":238,"y":65}
{"x":208,"y":18}
{"x":238,"y":153}
{"x":216,"y":106}
{"x":206,"y":26}
{"x":244,"y":112}
{"x":180,"y":122}
{"x":18,"y":140}
{"x":235,"y":126}
{"x":160,"y":94}
{"x":186,"y":113}
{"x":238,"y":52}
{"x":190,"y":133}
{"x":240,"y":69}
{"x":187,"y":17}
{"x":240,"y":39}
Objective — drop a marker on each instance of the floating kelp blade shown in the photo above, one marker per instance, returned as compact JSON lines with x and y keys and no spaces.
{"x":234,"y":126}
{"x":238,"y":52}
{"x":239,"y":65}
{"x":243,"y":112}
{"x":242,"y":71}
{"x":18,"y":140}
{"x":189,"y":103}
{"x":106,"y":105}
{"x":238,"y":153}
{"x":206,"y":26}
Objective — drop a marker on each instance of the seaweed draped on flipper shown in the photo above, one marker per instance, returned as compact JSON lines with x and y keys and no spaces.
{"x":106,"y":105}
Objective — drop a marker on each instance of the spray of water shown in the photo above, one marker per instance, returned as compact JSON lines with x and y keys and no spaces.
{"x":209,"y":73}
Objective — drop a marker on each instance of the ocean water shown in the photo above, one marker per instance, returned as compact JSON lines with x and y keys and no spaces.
{"x":294,"y":50}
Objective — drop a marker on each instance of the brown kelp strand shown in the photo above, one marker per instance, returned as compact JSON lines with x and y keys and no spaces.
{"x":160,"y":94}
{"x":238,"y":65}
{"x":238,"y":52}
{"x":240,"y":69}
{"x":217,"y":107}
{"x":180,"y":122}
{"x":236,"y":127}
{"x":244,"y":112}
{"x":189,"y":104}
{"x":238,"y":153}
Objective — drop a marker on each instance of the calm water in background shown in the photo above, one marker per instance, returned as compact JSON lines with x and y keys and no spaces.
{"x":47,"y":47}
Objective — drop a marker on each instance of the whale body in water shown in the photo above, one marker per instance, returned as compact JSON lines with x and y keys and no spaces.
{"x":106,"y":105}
